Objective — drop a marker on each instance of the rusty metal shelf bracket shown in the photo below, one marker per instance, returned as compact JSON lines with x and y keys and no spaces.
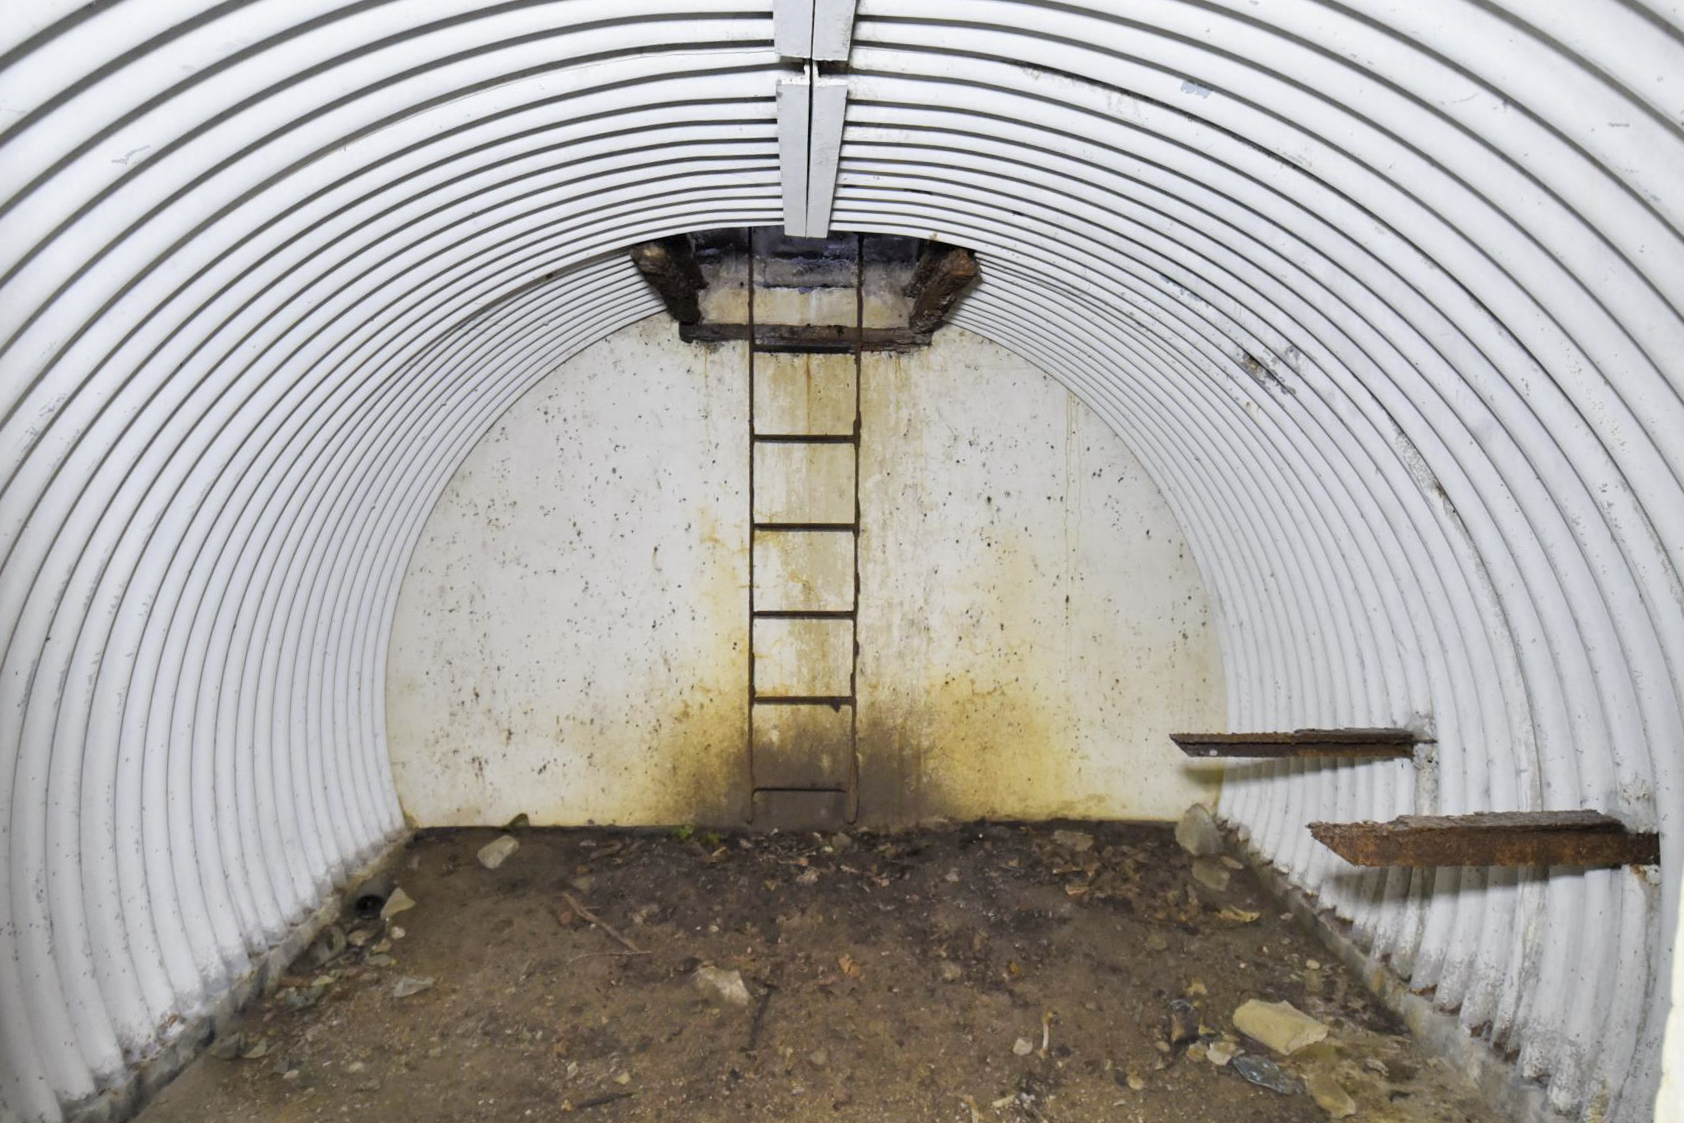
{"x":1362,"y":744}
{"x":1574,"y":839}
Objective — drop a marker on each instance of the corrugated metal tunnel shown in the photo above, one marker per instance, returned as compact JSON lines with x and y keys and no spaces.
{"x":1387,"y":301}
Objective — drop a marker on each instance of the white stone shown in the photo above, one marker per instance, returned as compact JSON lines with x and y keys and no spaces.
{"x":1074,"y":841}
{"x":398,"y":902}
{"x":1210,"y":873}
{"x":1198,"y":833}
{"x":497,"y":851}
{"x":1330,"y":1094}
{"x":721,"y":987}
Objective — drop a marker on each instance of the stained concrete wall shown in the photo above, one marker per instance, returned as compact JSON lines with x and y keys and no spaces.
{"x":571,"y":638}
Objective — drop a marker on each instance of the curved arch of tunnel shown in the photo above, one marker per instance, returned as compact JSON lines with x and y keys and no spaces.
{"x":1388,"y":305}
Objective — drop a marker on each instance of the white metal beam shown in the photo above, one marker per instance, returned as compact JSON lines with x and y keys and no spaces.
{"x":810,"y":115}
{"x":824,"y":150}
{"x":795,"y":112}
{"x":816,"y":29}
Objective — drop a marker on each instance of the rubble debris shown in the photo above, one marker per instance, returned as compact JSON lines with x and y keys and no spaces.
{"x":1183,"y":1024}
{"x":1211,"y":874}
{"x":1221,"y":1051}
{"x":398,"y":902}
{"x":497,"y":851}
{"x":300,"y":998}
{"x":945,"y":976}
{"x":1264,"y":1073}
{"x":1330,"y":1095}
{"x":1077,"y":842}
{"x":408,"y":985}
{"x":1022,"y":1047}
{"x":329,"y":944}
{"x":227,"y":1048}
{"x":1198,"y":833}
{"x":1279,"y":1025}
{"x":721,"y":987}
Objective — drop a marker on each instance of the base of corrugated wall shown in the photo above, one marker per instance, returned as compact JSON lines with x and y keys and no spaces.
{"x":1440,"y":1035}
{"x":125,"y":1100}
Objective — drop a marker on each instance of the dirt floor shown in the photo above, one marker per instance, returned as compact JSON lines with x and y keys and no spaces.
{"x":994,"y":973}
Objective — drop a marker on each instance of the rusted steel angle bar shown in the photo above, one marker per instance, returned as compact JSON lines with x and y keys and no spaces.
{"x":1579,"y":839}
{"x":1363,"y":743}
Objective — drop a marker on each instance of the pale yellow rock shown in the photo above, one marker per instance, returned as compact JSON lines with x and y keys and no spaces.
{"x":497,"y":851}
{"x":1279,"y":1025}
{"x":1210,"y":873}
{"x":1330,"y":1094}
{"x":721,"y":987}
{"x":398,"y":902}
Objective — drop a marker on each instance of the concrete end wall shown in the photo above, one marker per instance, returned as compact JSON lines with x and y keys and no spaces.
{"x":571,"y":638}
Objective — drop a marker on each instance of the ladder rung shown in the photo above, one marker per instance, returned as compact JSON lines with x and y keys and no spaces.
{"x":832,"y":791}
{"x":834,"y":701}
{"x":803,"y":614}
{"x":805,"y":438}
{"x":804,"y":347}
{"x":850,"y":527}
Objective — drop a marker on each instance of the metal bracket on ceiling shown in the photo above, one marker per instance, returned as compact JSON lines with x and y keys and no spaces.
{"x":811,"y":109}
{"x":813,"y":29}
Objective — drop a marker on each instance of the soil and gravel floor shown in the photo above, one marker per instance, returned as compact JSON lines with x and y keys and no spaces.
{"x":981,"y":973}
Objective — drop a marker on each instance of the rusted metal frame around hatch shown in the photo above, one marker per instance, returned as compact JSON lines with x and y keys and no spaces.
{"x":780,"y":343}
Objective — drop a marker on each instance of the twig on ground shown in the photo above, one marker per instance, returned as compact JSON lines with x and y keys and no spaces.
{"x":598,"y":1101}
{"x":595,"y":954}
{"x":600,"y":923}
{"x":759,"y":1016}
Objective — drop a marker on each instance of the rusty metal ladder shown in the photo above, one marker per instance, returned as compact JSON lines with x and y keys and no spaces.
{"x":804,"y":512}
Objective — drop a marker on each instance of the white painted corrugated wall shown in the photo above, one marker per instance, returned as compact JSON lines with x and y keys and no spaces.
{"x":1387,"y":298}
